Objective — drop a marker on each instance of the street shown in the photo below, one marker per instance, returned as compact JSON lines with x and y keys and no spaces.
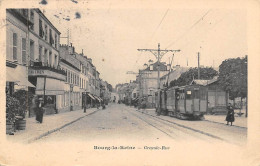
{"x":118,"y":121}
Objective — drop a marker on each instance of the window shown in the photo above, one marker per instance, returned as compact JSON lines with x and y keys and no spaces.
{"x":55,"y":60}
{"x":71,"y":78}
{"x":32,"y":20}
{"x":23,"y":51}
{"x":32,"y":50}
{"x":46,"y":32}
{"x":14,"y":46}
{"x":40,"y":53}
{"x":68,"y":77}
{"x":50,"y":58}
{"x":56,"y":41}
{"x":196,"y":94}
{"x":50,"y":38}
{"x":41,"y":32}
{"x":46,"y":56}
{"x":188,"y":95}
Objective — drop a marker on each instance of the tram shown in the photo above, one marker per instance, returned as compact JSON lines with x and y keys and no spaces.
{"x":185,"y":102}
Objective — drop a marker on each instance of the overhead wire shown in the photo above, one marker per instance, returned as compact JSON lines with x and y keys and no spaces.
{"x":208,"y":29}
{"x":153,"y":34}
{"x":186,"y":32}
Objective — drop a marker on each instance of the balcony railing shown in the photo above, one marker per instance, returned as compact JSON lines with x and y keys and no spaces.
{"x":47,"y":66}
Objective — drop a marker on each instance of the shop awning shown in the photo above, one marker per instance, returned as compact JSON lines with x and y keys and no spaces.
{"x":97,"y":98}
{"x":25,"y":82}
{"x":12,"y":76}
{"x":91,"y":96}
{"x":136,"y":98}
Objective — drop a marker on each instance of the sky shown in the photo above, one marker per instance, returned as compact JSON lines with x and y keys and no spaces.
{"x":110,"y":33}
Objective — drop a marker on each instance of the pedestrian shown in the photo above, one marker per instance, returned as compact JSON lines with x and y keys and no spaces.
{"x":40,"y":110}
{"x":230,"y":114}
{"x":85,"y":108}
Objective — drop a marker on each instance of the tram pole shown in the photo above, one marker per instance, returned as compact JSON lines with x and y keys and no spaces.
{"x":158,"y":53}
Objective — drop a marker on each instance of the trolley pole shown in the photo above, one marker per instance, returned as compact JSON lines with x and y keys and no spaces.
{"x":158,"y":53}
{"x":198,"y":65}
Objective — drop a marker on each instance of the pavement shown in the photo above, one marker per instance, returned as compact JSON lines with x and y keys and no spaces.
{"x":50,"y":124}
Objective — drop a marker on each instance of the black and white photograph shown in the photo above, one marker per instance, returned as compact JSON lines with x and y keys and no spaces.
{"x":151,"y":83}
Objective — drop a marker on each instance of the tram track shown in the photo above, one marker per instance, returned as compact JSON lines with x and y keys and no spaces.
{"x":176,"y":126}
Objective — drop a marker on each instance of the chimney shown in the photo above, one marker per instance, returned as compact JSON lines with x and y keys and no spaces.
{"x":151,"y":67}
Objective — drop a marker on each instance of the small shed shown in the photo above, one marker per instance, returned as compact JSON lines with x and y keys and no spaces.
{"x":217,"y":97}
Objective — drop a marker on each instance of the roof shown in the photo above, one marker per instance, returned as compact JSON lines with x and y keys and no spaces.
{"x":204,"y":82}
{"x":175,"y":73}
{"x":161,"y":64}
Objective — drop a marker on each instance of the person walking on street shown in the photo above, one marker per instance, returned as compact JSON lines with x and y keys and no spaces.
{"x":85,"y":108}
{"x":230,"y":114}
{"x":40,"y":110}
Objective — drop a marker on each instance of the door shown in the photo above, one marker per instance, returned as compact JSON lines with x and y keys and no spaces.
{"x":196,"y":100}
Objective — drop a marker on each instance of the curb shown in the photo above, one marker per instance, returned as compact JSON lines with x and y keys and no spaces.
{"x":224,"y":124}
{"x":58,"y":128}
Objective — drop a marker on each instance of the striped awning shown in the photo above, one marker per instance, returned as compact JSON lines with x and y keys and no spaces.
{"x":91,"y":96}
{"x":98,"y":98}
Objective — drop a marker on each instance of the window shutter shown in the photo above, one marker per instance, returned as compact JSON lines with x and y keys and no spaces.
{"x":14,"y":46}
{"x":23,"y":50}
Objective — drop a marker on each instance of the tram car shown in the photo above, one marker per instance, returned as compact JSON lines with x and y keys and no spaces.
{"x":185,"y":102}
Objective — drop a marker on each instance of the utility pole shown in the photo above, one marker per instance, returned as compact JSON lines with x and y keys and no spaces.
{"x":158,"y":53}
{"x":198,"y":65}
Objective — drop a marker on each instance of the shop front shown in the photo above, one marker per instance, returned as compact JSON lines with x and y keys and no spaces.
{"x":50,"y":86}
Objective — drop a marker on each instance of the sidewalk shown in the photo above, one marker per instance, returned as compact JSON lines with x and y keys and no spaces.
{"x":240,"y":121}
{"x":50,"y":124}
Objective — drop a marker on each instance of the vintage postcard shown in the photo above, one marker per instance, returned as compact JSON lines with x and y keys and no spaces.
{"x":110,"y":82}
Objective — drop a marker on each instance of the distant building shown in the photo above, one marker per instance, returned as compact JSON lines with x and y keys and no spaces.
{"x":71,"y":65}
{"x":148,"y":81}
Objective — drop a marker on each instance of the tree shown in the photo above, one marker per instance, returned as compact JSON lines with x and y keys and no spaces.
{"x":110,"y":88}
{"x":187,"y":77}
{"x":233,"y":77}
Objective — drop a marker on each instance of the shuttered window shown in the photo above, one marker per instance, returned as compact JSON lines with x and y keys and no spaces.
{"x":23,"y":51}
{"x":14,"y":46}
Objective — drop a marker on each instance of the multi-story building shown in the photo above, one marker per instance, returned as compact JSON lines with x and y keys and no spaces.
{"x":33,"y":57}
{"x":44,"y":69}
{"x":17,"y":49}
{"x":84,"y":81}
{"x":71,"y":65}
{"x":148,"y":81}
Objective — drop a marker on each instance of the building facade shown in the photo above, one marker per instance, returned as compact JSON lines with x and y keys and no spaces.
{"x":44,"y":69}
{"x":148,"y":82}
{"x":17,"y":50}
{"x":71,"y":65}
